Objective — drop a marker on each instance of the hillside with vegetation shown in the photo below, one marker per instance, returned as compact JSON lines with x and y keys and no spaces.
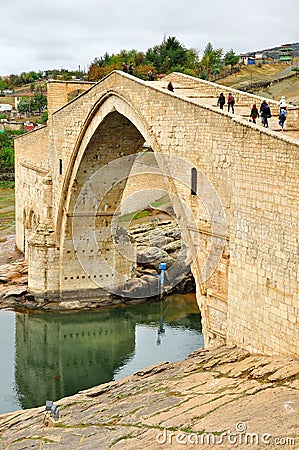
{"x":169,"y":56}
{"x":268,"y":80}
{"x":275,"y":51}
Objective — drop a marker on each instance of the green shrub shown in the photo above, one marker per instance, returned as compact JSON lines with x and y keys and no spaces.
{"x":7,"y":157}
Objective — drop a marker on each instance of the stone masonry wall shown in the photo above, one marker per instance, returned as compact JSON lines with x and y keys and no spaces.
{"x":251,"y":299}
{"x":31,"y":167}
{"x":58,"y":91}
{"x":145,"y":185}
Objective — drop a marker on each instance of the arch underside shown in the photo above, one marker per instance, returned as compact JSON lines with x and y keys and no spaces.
{"x":96,"y":252}
{"x":90,"y":258}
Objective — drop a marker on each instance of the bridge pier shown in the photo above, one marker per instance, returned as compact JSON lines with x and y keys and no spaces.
{"x":212,"y":299}
{"x":43,"y":262}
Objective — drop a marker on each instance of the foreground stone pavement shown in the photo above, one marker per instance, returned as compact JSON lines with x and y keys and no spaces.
{"x":223,"y":398}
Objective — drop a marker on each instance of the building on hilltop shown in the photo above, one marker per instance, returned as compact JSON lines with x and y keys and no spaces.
{"x":256,"y":58}
{"x":285,"y":53}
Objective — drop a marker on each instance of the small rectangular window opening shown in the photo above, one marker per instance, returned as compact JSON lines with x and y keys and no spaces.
{"x":193,"y":181}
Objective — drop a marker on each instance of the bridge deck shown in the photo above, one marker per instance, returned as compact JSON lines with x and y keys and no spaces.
{"x":240,"y":110}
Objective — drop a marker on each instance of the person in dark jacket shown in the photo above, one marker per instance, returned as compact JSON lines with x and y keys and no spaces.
{"x":254,"y":114}
{"x":130,"y":69}
{"x":150,"y":76}
{"x":265,"y":113}
{"x":221,"y":100}
{"x":170,"y":87}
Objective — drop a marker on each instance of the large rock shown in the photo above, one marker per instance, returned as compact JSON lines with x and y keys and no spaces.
{"x":142,"y":287}
{"x":153,"y":256}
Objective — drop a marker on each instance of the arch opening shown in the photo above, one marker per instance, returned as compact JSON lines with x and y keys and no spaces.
{"x":118,"y":181}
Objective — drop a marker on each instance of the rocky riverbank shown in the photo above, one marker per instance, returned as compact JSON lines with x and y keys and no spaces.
{"x":222,"y":398}
{"x":155,"y":242}
{"x":13,"y":272}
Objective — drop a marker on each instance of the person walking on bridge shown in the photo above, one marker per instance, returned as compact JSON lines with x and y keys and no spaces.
{"x":130,"y":69}
{"x":282,"y":102}
{"x":254,"y":113}
{"x":150,"y":75}
{"x":265,"y":113}
{"x":282,"y":117}
{"x":221,"y":101}
{"x":282,"y":112}
{"x":170,"y":86}
{"x":230,"y":102}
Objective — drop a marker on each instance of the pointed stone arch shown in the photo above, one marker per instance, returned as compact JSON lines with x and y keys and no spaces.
{"x":113,"y":130}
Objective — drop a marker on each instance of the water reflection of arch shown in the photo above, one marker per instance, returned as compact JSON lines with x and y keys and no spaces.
{"x":50,"y":347}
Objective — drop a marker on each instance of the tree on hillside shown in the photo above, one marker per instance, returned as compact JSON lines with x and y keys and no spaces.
{"x":94,"y":72}
{"x":192,"y":59}
{"x":27,"y":77}
{"x":24,"y":105}
{"x":100,"y":62}
{"x":100,"y":67}
{"x":168,"y":55}
{"x":38,"y":103}
{"x":211,"y":61}
{"x":31,"y":105}
{"x":230,"y":59}
{"x":3,"y":84}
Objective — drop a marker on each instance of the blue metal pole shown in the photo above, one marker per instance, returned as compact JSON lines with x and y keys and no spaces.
{"x":162,"y":267}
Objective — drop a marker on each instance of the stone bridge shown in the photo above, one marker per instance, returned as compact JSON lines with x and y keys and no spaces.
{"x":233,"y":186}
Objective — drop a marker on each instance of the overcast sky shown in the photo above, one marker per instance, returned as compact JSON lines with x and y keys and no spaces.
{"x":47,"y":34}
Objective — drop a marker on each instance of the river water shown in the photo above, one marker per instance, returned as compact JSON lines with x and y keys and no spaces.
{"x":46,"y":356}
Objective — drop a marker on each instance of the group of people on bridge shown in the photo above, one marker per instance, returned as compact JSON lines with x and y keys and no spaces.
{"x":230,"y":102}
{"x":264,"y":112}
{"x":128,"y":69}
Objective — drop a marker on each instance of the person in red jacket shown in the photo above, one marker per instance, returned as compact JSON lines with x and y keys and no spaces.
{"x":230,"y":102}
{"x":254,"y":113}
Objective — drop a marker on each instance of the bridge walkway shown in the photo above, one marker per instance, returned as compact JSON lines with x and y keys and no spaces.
{"x":240,"y":110}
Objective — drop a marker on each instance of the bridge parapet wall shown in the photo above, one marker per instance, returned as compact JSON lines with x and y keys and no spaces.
{"x":208,"y":88}
{"x":58,"y":91}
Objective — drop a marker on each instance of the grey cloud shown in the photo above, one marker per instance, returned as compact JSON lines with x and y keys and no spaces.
{"x":72,"y":32}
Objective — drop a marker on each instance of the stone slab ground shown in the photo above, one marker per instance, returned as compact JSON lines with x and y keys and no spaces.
{"x":222,"y":398}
